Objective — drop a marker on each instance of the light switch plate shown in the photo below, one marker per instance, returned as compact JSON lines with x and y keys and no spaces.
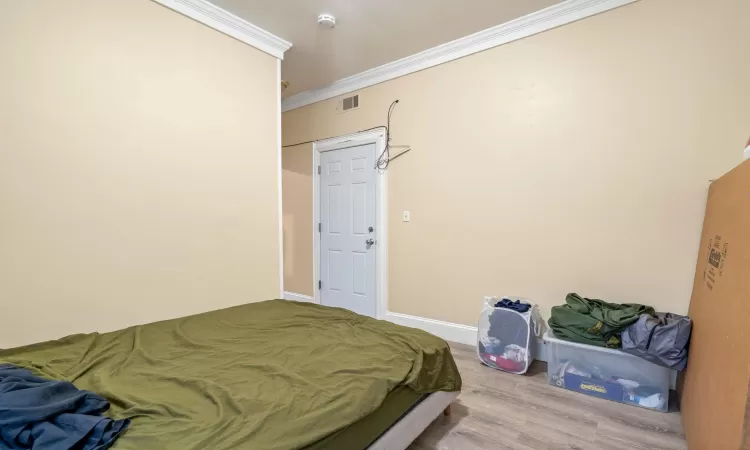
{"x":407,"y":216}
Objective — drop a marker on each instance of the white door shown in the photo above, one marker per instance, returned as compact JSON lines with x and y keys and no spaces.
{"x":347,"y":234}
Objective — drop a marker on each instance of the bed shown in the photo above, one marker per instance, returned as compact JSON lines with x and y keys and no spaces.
{"x":271,"y":375}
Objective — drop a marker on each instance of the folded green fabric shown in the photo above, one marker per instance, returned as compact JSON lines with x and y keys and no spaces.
{"x":594,"y":322}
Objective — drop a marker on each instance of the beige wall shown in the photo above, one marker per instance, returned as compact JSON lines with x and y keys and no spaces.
{"x":297,"y":204}
{"x":576,"y":160}
{"x":138,"y":168}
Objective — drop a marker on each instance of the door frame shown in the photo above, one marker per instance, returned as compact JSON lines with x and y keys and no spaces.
{"x":376,"y":137}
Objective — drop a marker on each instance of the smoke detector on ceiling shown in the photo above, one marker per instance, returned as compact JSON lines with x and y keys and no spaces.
{"x":326,"y":20}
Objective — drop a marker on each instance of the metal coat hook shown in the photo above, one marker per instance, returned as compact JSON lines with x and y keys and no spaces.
{"x":406,"y":147}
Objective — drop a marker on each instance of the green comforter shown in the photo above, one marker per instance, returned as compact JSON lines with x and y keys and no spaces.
{"x":270,"y":375}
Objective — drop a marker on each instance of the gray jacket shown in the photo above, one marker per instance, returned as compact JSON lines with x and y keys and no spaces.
{"x":663,"y":340}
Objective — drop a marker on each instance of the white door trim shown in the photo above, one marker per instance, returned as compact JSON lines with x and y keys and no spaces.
{"x":381,"y":212}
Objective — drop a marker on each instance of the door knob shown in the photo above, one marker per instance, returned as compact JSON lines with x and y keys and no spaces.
{"x":370,"y":242}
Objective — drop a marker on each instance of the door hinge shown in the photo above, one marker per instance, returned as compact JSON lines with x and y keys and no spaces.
{"x":320,"y":227}
{"x":320,"y":285}
{"x":318,"y":170}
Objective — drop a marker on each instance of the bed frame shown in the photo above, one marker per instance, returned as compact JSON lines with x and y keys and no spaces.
{"x":406,"y":430}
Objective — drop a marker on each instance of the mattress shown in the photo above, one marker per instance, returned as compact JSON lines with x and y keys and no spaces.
{"x":275,"y":375}
{"x":361,"y":434}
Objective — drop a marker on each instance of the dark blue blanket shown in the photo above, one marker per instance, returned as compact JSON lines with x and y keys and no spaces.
{"x":40,"y":414}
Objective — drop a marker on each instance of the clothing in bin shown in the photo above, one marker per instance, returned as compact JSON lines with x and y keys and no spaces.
{"x":661,"y":338}
{"x":594,"y":322}
{"x":606,"y":373}
{"x":592,"y":381}
{"x":508,"y":328}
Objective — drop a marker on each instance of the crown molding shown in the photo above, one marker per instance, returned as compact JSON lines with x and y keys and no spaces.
{"x":528,"y":25}
{"x":229,"y":24}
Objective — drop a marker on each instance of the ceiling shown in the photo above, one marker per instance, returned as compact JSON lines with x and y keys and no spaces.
{"x":368,"y":33}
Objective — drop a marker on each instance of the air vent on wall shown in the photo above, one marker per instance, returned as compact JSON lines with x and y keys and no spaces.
{"x":349,"y":103}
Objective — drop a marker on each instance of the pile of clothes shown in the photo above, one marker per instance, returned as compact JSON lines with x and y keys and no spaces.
{"x":510,"y":357}
{"x":504,"y":344}
{"x":597,"y":381}
{"x":661,"y":338}
{"x":41,"y":414}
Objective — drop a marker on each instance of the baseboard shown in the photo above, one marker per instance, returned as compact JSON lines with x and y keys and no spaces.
{"x":451,"y":332}
{"x":541,"y":351}
{"x":298,"y":297}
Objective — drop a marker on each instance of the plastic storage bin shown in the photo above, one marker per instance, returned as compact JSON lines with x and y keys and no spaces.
{"x":507,"y":339}
{"x":606,"y":373}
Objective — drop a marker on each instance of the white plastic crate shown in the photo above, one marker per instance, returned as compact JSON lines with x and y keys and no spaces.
{"x":507,"y":339}
{"x":606,"y":373}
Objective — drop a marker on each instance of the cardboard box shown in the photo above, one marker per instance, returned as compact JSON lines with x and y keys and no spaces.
{"x":714,"y":391}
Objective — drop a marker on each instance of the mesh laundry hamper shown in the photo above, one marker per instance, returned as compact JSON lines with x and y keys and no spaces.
{"x":507,"y":339}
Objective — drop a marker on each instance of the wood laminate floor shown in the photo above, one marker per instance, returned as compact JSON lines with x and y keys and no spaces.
{"x":497,"y":410}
